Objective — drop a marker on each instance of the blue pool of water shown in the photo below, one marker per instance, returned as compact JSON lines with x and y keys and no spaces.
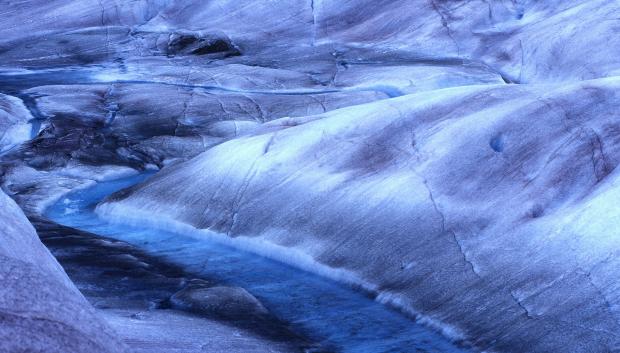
{"x":327,"y":312}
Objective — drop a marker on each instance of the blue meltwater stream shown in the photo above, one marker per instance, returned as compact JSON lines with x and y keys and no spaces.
{"x":325,"y":311}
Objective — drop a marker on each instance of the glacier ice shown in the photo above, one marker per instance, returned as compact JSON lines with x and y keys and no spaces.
{"x":409,"y":196}
{"x":457,"y":159}
{"x":40,"y":309}
{"x":15,"y":125}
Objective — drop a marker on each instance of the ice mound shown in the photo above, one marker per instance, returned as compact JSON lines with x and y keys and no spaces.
{"x":480,"y":207}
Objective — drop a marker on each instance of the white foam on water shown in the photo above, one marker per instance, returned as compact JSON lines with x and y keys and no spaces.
{"x":122,"y":214}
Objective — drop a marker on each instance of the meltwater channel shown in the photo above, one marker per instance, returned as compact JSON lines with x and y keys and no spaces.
{"x":327,"y":312}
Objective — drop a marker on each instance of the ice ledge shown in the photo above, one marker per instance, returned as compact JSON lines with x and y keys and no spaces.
{"x":126,"y":215}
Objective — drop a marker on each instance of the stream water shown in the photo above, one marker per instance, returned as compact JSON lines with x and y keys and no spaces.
{"x":332,"y":314}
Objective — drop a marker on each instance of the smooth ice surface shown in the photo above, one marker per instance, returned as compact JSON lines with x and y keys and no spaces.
{"x":40,"y":309}
{"x":333,"y":314}
{"x":452,"y":203}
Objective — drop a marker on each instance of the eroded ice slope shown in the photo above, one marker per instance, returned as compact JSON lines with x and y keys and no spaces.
{"x":14,"y":123}
{"x":487,"y":208}
{"x":525,"y":41}
{"x":40,"y":309}
{"x":444,"y":186}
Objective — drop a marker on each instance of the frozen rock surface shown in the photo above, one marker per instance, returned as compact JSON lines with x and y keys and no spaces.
{"x":40,"y":309}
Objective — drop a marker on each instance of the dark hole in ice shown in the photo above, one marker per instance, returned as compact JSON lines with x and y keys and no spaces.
{"x":497,"y":143}
{"x":537,"y":211}
{"x":217,"y":46}
{"x":195,"y":45}
{"x":182,"y":42}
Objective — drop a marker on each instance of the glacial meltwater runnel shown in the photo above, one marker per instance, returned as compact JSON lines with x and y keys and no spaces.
{"x":338,"y":317}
